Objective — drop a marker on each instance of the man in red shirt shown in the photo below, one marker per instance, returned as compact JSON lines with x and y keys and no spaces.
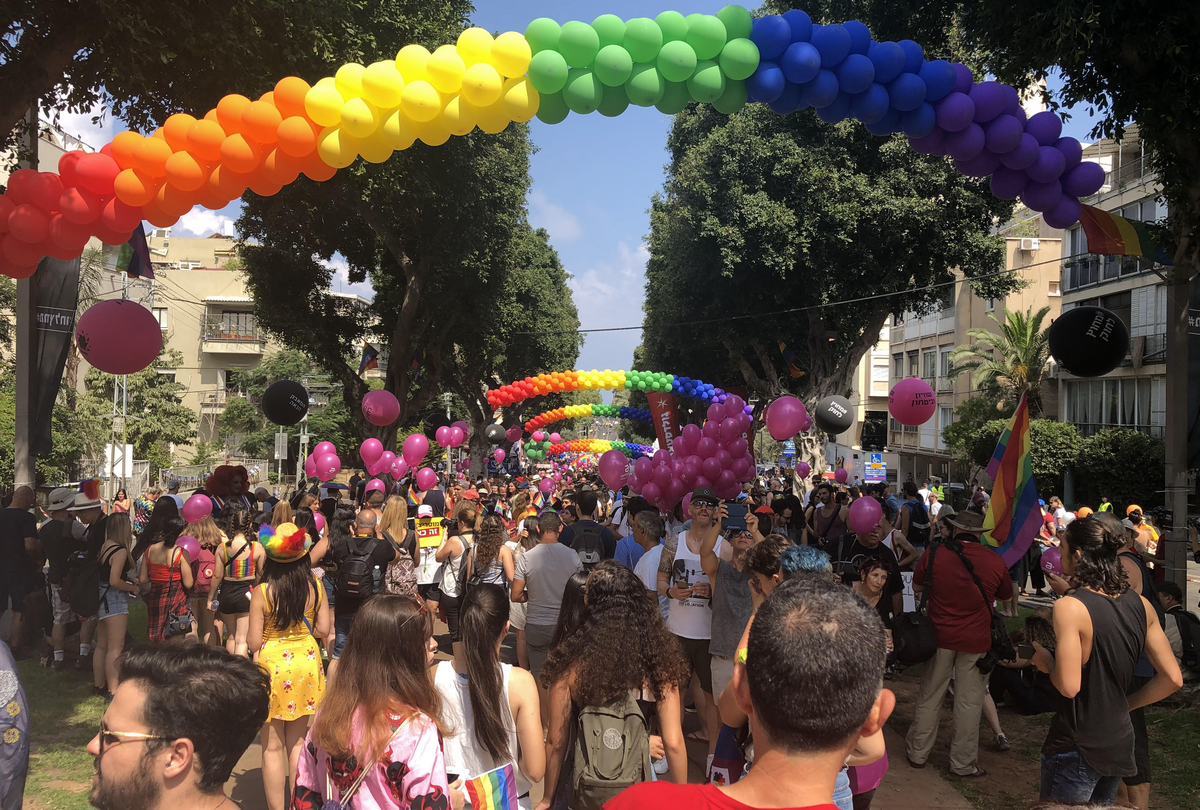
{"x":809,"y":680}
{"x":962,"y":618}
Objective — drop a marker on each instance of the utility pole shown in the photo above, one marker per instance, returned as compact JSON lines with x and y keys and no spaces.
{"x":1178,"y":418}
{"x":120,"y":419}
{"x":25,"y":470}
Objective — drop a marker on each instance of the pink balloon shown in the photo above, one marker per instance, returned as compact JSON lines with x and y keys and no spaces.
{"x":310,"y":466}
{"x":738,"y":447}
{"x":716,"y":412}
{"x":651,"y":492}
{"x":734,"y":405}
{"x":662,"y":476}
{"x":376,"y":485}
{"x":456,"y":436}
{"x":725,"y":481}
{"x":807,"y":424}
{"x":319,"y":519}
{"x":555,"y":438}
{"x":840,"y":475}
{"x":702,"y":481}
{"x":414,"y":449}
{"x":1052,"y":560}
{"x":513,"y":434}
{"x":614,"y":469}
{"x":499,"y":454}
{"x":784,"y":418}
{"x":323,"y":449}
{"x":370,"y":451}
{"x":539,"y":436}
{"x":711,"y":468}
{"x":691,"y":433}
{"x":118,"y":336}
{"x":865,"y":514}
{"x":463,"y":426}
{"x":644,"y":468}
{"x":328,"y":466}
{"x":912,"y":402}
{"x":706,"y":447}
{"x":687,"y":503}
{"x":711,"y":430}
{"x":442,"y":436}
{"x":460,"y":476}
{"x":661,"y":457}
{"x":386,"y":459}
{"x":724,"y":458}
{"x":197,"y":508}
{"x":381,"y":407}
{"x":398,"y":469}
{"x":739,"y":467}
{"x":546,"y":485}
{"x":191,"y":545}
{"x":730,"y":428}
{"x":426,"y":477}
{"x":682,"y":446}
{"x":802,"y":469}
{"x":744,"y":421}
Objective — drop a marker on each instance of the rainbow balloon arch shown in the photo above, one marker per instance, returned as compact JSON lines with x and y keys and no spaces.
{"x":607,"y":380}
{"x":579,"y":411}
{"x":728,"y":60}
{"x":599,"y":447}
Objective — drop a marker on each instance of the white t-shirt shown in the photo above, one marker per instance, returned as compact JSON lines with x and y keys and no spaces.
{"x":1063,"y":517}
{"x":427,"y":566}
{"x":647,"y":571}
{"x":692,"y":617}
{"x":934,"y":508}
{"x":924,"y":493}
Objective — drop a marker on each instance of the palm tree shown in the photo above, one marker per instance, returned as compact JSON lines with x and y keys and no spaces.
{"x":1013,"y":360}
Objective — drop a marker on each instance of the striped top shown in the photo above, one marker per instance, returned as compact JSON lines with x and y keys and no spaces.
{"x":241,"y":567}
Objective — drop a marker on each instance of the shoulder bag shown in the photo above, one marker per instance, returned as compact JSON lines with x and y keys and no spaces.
{"x":913,"y":634}
{"x":1002,"y":648}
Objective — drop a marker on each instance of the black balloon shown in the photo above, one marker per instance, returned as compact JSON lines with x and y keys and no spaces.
{"x":833,"y":415}
{"x":494,"y":434}
{"x":1088,"y":341}
{"x":434,"y":422}
{"x":285,"y":402}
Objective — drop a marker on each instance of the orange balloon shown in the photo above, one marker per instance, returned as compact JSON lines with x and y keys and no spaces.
{"x":268,"y":97}
{"x":204,"y":140}
{"x":158,"y":133}
{"x":317,"y":169}
{"x":211,"y":115}
{"x":175,"y":129}
{"x":184,"y":172}
{"x":135,"y":187}
{"x":280,"y":167}
{"x":122,"y":148}
{"x":150,"y":155}
{"x":171,"y":200}
{"x":229,"y":112}
{"x":239,"y":154}
{"x":152,"y":213}
{"x":264,"y":186}
{"x":289,"y":96}
{"x":210,"y":196}
{"x":224,"y":182}
{"x":260,"y":121}
{"x":296,"y":136}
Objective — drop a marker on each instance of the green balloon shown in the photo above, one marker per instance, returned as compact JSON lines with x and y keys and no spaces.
{"x":675,"y":98}
{"x":552,"y":108}
{"x":610,"y":28}
{"x":542,"y":35}
{"x":673,"y":24}
{"x":707,"y":83}
{"x":613,"y":65}
{"x":583,"y":92}
{"x":578,"y":44}
{"x":548,"y":71}
{"x":739,"y":59}
{"x":643,"y":38}
{"x":706,"y":35}
{"x":645,"y":87}
{"x":676,"y":61}
{"x":614,"y":102}
{"x":737,"y":22}
{"x":733,"y":99}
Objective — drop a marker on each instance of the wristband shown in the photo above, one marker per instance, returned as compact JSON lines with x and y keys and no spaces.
{"x":741,"y":656}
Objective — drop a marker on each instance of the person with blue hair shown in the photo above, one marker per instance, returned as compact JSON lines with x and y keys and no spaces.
{"x":804,"y":560}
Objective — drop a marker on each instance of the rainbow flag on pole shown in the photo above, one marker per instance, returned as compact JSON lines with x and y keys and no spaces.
{"x":1112,"y":235}
{"x":1013,"y":516}
{"x":494,"y":790}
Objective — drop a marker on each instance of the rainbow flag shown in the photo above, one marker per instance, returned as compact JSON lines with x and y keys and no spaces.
{"x":539,"y":500}
{"x":1013,"y":516}
{"x":412,"y":499}
{"x":494,"y":790}
{"x":790,"y":357}
{"x":1111,"y":235}
{"x":370,"y":358}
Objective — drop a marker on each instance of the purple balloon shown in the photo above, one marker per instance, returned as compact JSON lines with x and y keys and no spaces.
{"x":963,"y":80}
{"x":802,"y":469}
{"x":414,"y":449}
{"x":1012,"y":103}
{"x":989,"y":101}
{"x":457,"y":435}
{"x":966,"y":143}
{"x":955,"y":111}
{"x":1046,"y":127}
{"x":981,"y":165}
{"x":1024,"y":155}
{"x":1007,"y":184}
{"x":1084,"y":180}
{"x":932,"y":144}
{"x":1064,"y":214}
{"x":1048,"y":166}
{"x":370,"y":451}
{"x":661,"y":457}
{"x":1042,"y":197}
{"x":1072,"y":152}
{"x":1003,"y":134}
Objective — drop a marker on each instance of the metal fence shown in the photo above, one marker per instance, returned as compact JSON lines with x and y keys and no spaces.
{"x":134,"y":484}
{"x":192,"y":476}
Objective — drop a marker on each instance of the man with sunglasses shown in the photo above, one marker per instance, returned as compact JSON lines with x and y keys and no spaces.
{"x":182,"y":716}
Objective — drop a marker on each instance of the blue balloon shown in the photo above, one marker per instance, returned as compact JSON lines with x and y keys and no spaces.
{"x":766,"y":83}
{"x":888,"y":58}
{"x":914,"y":57}
{"x":833,"y":41}
{"x":838,"y":110}
{"x":907,"y":91}
{"x":772,"y":35}
{"x":821,"y":91}
{"x":800,"y":62}
{"x":860,"y":36}
{"x":939,"y":78}
{"x":800,"y":23}
{"x":919,"y":122}
{"x":788,"y":102}
{"x":887,"y":125}
{"x":871,"y":105}
{"x":855,"y":74}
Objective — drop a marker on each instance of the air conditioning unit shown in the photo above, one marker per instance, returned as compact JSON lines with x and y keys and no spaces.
{"x":1029,"y":244}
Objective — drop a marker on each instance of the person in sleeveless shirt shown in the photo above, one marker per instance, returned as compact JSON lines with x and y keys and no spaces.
{"x":826,"y":518}
{"x":1102,"y":627}
{"x":238,"y":562}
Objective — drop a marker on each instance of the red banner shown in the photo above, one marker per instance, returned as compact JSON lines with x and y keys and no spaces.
{"x":665,"y":410}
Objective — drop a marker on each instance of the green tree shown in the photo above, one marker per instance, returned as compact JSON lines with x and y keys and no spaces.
{"x":1054,"y":447}
{"x":1012,"y":360}
{"x":970,"y":415}
{"x":1124,"y":464}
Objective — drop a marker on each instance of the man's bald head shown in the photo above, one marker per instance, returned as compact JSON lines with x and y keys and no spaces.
{"x":365,"y":522}
{"x":22,"y":498}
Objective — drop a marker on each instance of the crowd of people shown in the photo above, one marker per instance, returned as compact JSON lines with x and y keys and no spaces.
{"x":582,"y":628}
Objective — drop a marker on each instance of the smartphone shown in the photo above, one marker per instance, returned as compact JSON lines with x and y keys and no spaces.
{"x":1025,"y":651}
{"x":736,"y":517}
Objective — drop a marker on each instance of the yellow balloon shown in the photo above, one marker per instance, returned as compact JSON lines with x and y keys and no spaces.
{"x":382,"y":84}
{"x":398,"y":130}
{"x":494,"y":118}
{"x":433,"y":133}
{"x":336,"y":148}
{"x":411,"y":63}
{"x":511,"y":54}
{"x":323,"y":103}
{"x":349,"y":79}
{"x":474,"y":45}
{"x":520,"y":99}
{"x":420,"y":101}
{"x":459,"y":116}
{"x":359,"y":118}
{"x":445,"y":69}
{"x":375,"y":149}
{"x":482,"y":85}
{"x":327,"y":81}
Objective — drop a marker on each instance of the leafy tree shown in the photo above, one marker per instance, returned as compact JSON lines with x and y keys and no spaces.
{"x":1054,"y":447}
{"x":204,"y":453}
{"x":75,"y":436}
{"x":970,"y":415}
{"x":1124,"y":464}
{"x":1013,"y":360}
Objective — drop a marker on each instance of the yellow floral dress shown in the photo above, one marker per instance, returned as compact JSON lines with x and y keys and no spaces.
{"x":293,"y":660}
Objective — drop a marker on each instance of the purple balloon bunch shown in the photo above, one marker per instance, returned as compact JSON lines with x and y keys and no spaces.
{"x":841,"y":72}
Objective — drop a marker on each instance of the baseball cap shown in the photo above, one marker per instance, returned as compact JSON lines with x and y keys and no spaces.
{"x":1133,"y":507}
{"x":1128,"y":524}
{"x":705,"y":494}
{"x":764,"y":510}
{"x":60,"y":499}
{"x":424,"y":511}
{"x":470,"y":495}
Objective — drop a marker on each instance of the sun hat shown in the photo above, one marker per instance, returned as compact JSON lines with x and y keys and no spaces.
{"x":60,"y":499}
{"x":88,"y":496}
{"x":967,"y":521}
{"x":284,"y":543}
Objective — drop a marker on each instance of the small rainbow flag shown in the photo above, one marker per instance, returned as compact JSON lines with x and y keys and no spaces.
{"x":494,"y":790}
{"x":1013,"y":517}
{"x":539,"y":500}
{"x":412,"y":499}
{"x":370,"y":358}
{"x":1111,"y":235}
{"x":790,"y":357}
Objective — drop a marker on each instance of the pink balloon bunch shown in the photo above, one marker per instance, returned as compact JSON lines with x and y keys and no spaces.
{"x":450,"y":435}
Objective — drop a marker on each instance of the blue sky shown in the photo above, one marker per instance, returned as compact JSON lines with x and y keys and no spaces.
{"x":593,"y":179}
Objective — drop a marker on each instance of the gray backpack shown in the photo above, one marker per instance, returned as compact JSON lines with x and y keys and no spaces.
{"x":612,"y":752}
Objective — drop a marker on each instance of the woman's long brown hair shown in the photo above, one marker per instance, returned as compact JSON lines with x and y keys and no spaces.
{"x":382,"y":672}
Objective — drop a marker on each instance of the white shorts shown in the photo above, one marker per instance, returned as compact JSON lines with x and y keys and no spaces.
{"x":59,"y":607}
{"x":722,"y":673}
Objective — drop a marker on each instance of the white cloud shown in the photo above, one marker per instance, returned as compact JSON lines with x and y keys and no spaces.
{"x":610,"y":294}
{"x":201,"y":222}
{"x":80,"y":125}
{"x":341,"y":279}
{"x":561,"y":223}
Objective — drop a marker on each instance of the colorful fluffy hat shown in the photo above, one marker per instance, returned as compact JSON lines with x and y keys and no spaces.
{"x":284,"y":543}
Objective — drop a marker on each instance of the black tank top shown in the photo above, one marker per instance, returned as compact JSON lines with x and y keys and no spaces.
{"x":1096,"y":720}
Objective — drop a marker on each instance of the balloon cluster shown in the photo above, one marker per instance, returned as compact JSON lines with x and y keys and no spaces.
{"x":576,"y":411}
{"x":378,"y":461}
{"x":538,"y":446}
{"x":608,"y":379}
{"x":323,"y":463}
{"x":627,"y":449}
{"x":452,"y":435}
{"x":666,"y":63}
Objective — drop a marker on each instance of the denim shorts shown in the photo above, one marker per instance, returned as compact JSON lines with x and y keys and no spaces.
{"x":1068,"y":778}
{"x":843,"y":798}
{"x":113,"y":601}
{"x":341,"y":630}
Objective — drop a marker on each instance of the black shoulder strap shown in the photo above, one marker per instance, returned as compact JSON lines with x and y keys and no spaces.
{"x":928,"y":578}
{"x":954,"y":546}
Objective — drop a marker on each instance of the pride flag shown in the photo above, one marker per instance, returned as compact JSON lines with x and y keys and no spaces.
{"x":790,"y":357}
{"x":370,"y":358}
{"x":1111,"y":235}
{"x":494,"y":790}
{"x":1013,"y":516}
{"x":539,"y":500}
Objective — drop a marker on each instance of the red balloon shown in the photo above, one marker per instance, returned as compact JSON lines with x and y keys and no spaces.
{"x":20,"y":186}
{"x":118,"y":337}
{"x":16,"y":271}
{"x":97,"y":173}
{"x":29,"y":223}
{"x":21,"y":254}
{"x":120,"y":217}
{"x":68,"y":168}
{"x":80,"y":205}
{"x":7,"y":206}
{"x":67,"y":234}
{"x":45,"y":190}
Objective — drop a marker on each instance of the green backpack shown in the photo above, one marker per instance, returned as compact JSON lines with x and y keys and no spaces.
{"x":612,"y":752}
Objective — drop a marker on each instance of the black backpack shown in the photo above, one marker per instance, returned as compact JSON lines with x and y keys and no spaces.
{"x":1189,"y":634}
{"x":918,"y":522}
{"x":356,"y":575}
{"x":82,"y":582}
{"x":588,"y":543}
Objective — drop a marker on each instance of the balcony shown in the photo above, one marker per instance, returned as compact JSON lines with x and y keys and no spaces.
{"x":1086,"y":429}
{"x":231,"y":333}
{"x":944,"y":384}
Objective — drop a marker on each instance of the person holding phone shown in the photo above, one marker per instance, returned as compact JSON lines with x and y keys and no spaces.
{"x":732,"y":603}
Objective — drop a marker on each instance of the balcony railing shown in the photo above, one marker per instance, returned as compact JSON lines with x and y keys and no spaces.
{"x":1086,"y":429}
{"x":243,"y":328}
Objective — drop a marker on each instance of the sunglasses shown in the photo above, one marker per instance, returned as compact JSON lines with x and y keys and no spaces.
{"x":703,"y":505}
{"x":109,"y":738}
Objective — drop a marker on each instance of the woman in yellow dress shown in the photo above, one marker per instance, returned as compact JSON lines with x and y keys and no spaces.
{"x":288,"y":613}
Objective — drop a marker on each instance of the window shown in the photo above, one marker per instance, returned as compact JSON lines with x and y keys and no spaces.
{"x":946,"y":302}
{"x":1053,"y":290}
{"x":160,"y":315}
{"x":945,"y":417}
{"x":989,"y":304}
{"x":912,"y":363}
{"x":898,"y":365}
{"x":168,"y":373}
{"x":187,"y":265}
{"x":239,"y":321}
{"x":945,"y":364}
{"x":1137,"y":403}
{"x":929,"y":364}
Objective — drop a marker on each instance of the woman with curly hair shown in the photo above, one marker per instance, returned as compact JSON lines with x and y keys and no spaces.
{"x":623,"y":649}
{"x":491,"y":562}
